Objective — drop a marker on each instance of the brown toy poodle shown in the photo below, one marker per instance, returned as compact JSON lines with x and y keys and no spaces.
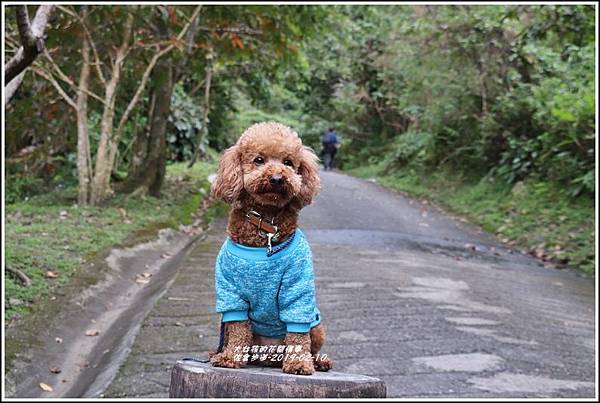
{"x":264,"y":277}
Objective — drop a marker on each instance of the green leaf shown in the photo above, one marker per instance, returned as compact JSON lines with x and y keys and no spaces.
{"x":563,"y":115}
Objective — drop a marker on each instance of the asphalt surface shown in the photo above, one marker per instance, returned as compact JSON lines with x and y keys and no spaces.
{"x":430,"y":305}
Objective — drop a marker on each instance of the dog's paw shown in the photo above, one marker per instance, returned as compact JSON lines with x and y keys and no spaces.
{"x":322,"y":364}
{"x":298,"y":367}
{"x":226,"y":360}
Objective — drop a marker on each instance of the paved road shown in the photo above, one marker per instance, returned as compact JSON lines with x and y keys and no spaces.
{"x":430,"y":305}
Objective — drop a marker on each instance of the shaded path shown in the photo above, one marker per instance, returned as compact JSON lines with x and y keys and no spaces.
{"x":403,"y":299}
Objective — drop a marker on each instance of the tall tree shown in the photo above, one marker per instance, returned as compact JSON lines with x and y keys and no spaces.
{"x":148,"y":163}
{"x":110,"y":83}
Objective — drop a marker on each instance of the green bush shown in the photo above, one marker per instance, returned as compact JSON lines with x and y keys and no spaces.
{"x":185,"y":121}
{"x":19,"y":187}
{"x":410,"y":149}
{"x":501,"y":91}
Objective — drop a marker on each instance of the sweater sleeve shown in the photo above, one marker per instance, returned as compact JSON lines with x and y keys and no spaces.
{"x":230,"y":301}
{"x":296,"y":299}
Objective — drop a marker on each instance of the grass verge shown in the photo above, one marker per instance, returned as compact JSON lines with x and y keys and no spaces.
{"x":48,"y":237}
{"x":535,"y":216}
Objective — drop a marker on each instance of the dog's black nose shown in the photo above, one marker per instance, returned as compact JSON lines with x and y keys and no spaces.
{"x":276,"y":180}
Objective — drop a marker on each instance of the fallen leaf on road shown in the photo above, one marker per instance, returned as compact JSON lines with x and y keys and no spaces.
{"x":539,"y":253}
{"x":92,"y":332}
{"x":55,"y":370}
{"x":45,"y":387}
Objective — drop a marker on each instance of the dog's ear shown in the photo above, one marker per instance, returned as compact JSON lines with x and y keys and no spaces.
{"x":311,"y":184}
{"x":229,"y":182}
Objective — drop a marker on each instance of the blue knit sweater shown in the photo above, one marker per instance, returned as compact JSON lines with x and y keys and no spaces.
{"x":276,"y":293}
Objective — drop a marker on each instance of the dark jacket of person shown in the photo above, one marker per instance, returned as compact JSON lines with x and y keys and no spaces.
{"x":329,"y":142}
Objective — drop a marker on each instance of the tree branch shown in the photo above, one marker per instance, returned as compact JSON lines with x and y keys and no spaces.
{"x":146,"y":76}
{"x":189,"y":49}
{"x":56,"y":85}
{"x":125,"y":47}
{"x":18,"y":274}
{"x":197,"y":87}
{"x":98,"y":63}
{"x":12,"y":87}
{"x":203,"y":135}
{"x":32,"y":35}
{"x":66,"y":79}
{"x":24,"y":27}
{"x":238,"y":30}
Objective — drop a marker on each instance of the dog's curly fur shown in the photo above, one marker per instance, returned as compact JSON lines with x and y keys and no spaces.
{"x":265,"y":150}
{"x":245,"y":185}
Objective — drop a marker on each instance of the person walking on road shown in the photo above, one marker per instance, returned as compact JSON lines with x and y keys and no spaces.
{"x":330,"y":145}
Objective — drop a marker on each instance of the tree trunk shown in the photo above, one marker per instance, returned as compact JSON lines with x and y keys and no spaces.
{"x":203,"y":135}
{"x":193,"y":379}
{"x":101,"y":181}
{"x":109,"y":137}
{"x":148,"y":165}
{"x":83,"y":144}
{"x":32,"y":39}
{"x":163,"y":32}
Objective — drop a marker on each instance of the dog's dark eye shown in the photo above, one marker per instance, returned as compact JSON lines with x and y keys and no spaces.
{"x":259,"y":160}
{"x":289,"y":163}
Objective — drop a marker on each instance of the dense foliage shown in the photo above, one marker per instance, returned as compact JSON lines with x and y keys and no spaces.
{"x":505,"y":91}
{"x":237,"y":46}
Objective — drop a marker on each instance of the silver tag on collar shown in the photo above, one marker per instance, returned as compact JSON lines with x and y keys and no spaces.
{"x":269,"y":237}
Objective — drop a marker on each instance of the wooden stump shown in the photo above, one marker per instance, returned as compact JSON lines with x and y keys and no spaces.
{"x":197,"y":379}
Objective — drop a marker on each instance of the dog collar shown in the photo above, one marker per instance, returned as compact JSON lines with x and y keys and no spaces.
{"x":266,"y":229}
